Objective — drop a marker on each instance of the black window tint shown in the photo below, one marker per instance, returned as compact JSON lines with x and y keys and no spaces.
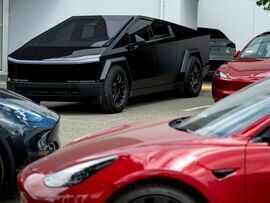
{"x":123,"y":42}
{"x":160,"y":30}
{"x":87,"y":31}
{"x":140,"y":31}
{"x":64,"y":34}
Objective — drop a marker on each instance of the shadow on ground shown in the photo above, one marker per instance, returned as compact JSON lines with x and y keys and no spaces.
{"x":86,"y":108}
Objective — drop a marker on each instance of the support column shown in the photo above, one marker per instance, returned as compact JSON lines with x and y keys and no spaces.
{"x":5,"y":12}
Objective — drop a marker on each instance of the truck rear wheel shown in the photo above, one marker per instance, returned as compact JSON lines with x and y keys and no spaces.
{"x":116,"y":90}
{"x":193,"y":77}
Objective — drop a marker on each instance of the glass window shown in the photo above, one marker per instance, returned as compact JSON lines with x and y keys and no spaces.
{"x":231,"y":114}
{"x":123,"y":42}
{"x":258,"y":48}
{"x":92,"y":31}
{"x":140,"y":31}
{"x":88,"y":31}
{"x":64,"y":34}
{"x":160,"y":30}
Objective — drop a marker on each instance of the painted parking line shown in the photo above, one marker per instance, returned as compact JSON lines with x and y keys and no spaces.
{"x":197,"y":108}
{"x":207,"y":87}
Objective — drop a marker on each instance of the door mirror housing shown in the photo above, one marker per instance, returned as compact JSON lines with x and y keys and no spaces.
{"x":237,"y":53}
{"x":139,"y":40}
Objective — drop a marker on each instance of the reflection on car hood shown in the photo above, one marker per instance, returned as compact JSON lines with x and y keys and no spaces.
{"x":54,"y":52}
{"x":123,"y":139}
{"x":15,"y":101}
{"x":247,"y":67}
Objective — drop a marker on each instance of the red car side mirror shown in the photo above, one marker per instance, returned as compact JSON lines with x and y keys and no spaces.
{"x":237,"y":53}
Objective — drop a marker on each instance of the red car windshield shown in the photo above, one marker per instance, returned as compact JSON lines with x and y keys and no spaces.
{"x":258,"y":48}
{"x":89,"y":31}
{"x":231,"y":114}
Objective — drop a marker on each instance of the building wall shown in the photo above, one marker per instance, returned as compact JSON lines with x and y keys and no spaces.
{"x":183,"y":12}
{"x":28,"y":18}
{"x":4,"y":38}
{"x":240,"y":20}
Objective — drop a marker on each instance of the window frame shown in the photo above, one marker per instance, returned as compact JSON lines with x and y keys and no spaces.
{"x":257,"y":138}
{"x":171,"y":34}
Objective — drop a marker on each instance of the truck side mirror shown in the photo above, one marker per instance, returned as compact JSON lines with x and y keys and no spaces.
{"x":139,"y":40}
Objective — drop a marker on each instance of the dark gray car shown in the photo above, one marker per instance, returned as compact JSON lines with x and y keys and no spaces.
{"x":221,"y":48}
{"x":28,"y":131}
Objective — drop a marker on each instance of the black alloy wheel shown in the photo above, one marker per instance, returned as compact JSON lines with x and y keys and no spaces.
{"x":193,"y":77}
{"x":116,"y":90}
{"x":119,"y":89}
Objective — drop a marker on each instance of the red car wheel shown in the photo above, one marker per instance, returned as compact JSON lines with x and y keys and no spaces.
{"x":154,"y":193}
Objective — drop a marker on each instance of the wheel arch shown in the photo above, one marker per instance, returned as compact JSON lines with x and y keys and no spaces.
{"x":173,"y":182}
{"x":8,"y":156}
{"x":121,"y":61}
{"x":187,"y":55}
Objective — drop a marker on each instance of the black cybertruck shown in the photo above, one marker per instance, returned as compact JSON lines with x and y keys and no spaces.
{"x":109,"y":59}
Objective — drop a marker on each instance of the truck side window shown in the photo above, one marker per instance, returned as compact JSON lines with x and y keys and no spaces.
{"x":124,"y":41}
{"x":160,"y":30}
{"x":140,"y":30}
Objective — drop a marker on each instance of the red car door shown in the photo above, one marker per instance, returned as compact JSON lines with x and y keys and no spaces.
{"x":258,"y":169}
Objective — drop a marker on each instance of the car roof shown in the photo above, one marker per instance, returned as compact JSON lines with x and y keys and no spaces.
{"x":131,"y":16}
{"x":214,"y":33}
{"x":263,"y":34}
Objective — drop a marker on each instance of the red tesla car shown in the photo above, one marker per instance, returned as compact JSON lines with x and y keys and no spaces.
{"x":249,"y":66}
{"x":221,"y":155}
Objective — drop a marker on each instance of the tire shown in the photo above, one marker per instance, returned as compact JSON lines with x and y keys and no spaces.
{"x":116,"y":91}
{"x":2,"y":171}
{"x":154,"y":193}
{"x":193,"y":77}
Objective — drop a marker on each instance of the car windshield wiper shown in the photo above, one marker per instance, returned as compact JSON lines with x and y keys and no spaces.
{"x":108,"y":42}
{"x":184,"y":130}
{"x":175,"y":124}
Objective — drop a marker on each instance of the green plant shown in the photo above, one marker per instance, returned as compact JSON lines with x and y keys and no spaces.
{"x":264,"y":3}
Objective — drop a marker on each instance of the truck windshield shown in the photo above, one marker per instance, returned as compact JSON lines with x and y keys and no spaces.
{"x":231,"y":114}
{"x":89,"y":31}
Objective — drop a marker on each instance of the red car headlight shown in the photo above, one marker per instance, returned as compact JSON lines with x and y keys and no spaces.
{"x":221,"y":74}
{"x":78,"y":173}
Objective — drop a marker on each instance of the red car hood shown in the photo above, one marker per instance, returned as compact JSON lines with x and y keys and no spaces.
{"x":247,"y":67}
{"x":151,"y":135}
